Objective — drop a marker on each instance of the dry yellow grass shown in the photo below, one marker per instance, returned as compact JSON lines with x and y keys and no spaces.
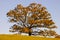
{"x":20,"y":37}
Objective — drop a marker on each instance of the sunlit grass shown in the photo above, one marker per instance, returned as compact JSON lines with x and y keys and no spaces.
{"x":20,"y":37}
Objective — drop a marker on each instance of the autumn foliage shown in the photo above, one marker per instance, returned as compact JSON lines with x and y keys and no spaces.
{"x":33,"y":16}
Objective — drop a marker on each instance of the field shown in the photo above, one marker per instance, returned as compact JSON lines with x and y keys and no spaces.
{"x":20,"y":37}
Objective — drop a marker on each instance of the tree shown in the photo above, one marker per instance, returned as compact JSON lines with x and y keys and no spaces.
{"x":32,"y":16}
{"x":58,"y":36}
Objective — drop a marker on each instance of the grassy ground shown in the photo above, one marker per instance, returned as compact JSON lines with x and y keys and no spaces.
{"x":19,"y":37}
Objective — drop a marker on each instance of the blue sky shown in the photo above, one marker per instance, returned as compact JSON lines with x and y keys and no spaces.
{"x":53,"y":6}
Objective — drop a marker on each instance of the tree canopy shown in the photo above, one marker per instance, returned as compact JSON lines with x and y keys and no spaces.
{"x":32,"y":16}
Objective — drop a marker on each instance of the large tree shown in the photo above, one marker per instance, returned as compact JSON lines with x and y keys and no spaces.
{"x":30,"y":17}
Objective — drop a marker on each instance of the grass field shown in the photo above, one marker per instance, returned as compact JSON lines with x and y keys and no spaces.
{"x":20,"y":37}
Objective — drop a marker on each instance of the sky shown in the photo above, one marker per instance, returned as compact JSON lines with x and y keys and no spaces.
{"x":53,"y":7}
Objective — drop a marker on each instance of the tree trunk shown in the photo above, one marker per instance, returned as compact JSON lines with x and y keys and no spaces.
{"x":29,"y":31}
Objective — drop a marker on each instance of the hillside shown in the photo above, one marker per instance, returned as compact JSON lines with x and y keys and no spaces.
{"x":19,"y":37}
